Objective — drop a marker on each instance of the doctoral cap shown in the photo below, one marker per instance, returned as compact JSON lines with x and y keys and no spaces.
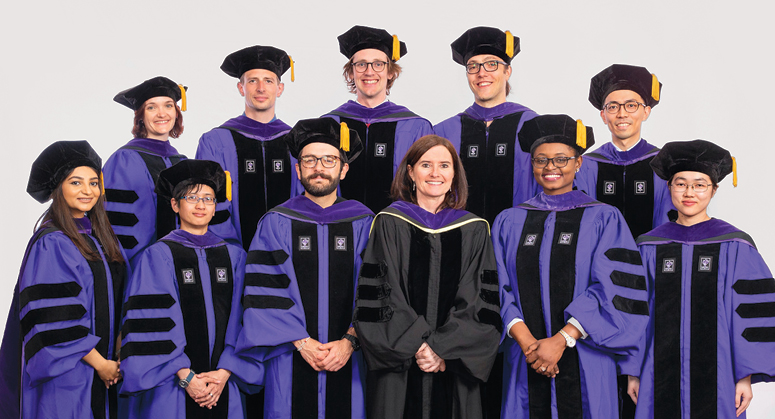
{"x":134,"y":97}
{"x":56,"y":162}
{"x":556,"y":129}
{"x":695,"y":156}
{"x":200,"y":172}
{"x":624,"y":77}
{"x":364,"y":37}
{"x":324,"y":130}
{"x":485,"y":40}
{"x":257,"y":57}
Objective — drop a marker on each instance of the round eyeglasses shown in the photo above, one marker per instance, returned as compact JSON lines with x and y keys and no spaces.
{"x":489,"y":66}
{"x":630,"y":106}
{"x":311,"y":161}
{"x":193,"y":199}
{"x":377,"y":66}
{"x":558,"y":162}
{"x":681,"y":187}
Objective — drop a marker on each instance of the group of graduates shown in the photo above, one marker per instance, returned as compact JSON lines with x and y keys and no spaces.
{"x":500,"y":276}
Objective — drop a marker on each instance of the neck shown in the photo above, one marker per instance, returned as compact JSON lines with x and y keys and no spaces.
{"x":491,"y":103}
{"x":626,"y":143}
{"x":431,"y":205}
{"x":263,"y":117}
{"x":160,"y":137}
{"x":689,"y":221}
{"x":558,"y":191}
{"x":371,"y":102}
{"x":199,"y":231}
{"x":323,"y":201}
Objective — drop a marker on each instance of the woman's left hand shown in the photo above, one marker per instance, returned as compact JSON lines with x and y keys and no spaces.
{"x":544,"y":354}
{"x":212,"y":393}
{"x":743,"y":395}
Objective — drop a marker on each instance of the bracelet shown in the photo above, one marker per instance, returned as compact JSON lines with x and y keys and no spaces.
{"x":302,"y":345}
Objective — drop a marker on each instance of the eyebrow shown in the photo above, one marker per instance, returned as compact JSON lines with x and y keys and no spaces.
{"x":695,"y":179}
{"x":80,"y":178}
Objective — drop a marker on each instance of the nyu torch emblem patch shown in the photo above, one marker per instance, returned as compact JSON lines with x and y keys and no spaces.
{"x":305,"y":243}
{"x":380,"y":149}
{"x":706,"y":264}
{"x":500,"y":149}
{"x":221,"y":277}
{"x":668,"y":265}
{"x":277,"y":165}
{"x":188,"y":276}
{"x":473,"y":151}
{"x":565,"y":238}
{"x":640,"y":187}
{"x":609,"y":188}
{"x":250,"y":166}
{"x":340,"y":243}
{"x":530,"y":240}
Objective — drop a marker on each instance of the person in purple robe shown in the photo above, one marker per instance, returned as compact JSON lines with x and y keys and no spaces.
{"x":300,"y":286}
{"x":427,"y":300}
{"x":573,"y":291}
{"x":131,"y":172}
{"x":58,"y":353}
{"x":712,"y":327}
{"x":386,"y":129}
{"x":250,"y":147}
{"x":485,"y":134}
{"x":182,"y":310}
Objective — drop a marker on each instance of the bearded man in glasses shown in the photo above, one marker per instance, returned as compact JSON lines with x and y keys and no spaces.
{"x":386,"y":129}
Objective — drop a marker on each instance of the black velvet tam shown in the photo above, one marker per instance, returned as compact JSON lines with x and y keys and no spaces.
{"x":555,"y":129}
{"x":256,"y":57}
{"x":694,"y":156}
{"x":364,"y":37}
{"x":134,"y":97}
{"x":201,"y":172}
{"x":323,"y":130}
{"x":624,"y":77}
{"x":56,"y":162}
{"x":483,"y":40}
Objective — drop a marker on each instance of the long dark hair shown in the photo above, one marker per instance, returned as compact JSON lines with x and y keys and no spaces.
{"x":58,"y":215}
{"x":139,"y":130}
{"x":401,"y":189}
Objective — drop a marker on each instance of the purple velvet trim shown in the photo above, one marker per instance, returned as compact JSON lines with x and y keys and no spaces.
{"x":83,"y":224}
{"x":699,"y":233}
{"x":433,"y":221}
{"x":254,"y":129}
{"x":161,"y":148}
{"x":194,"y":240}
{"x":304,"y":209}
{"x":562,"y":202}
{"x":642,"y":150}
{"x":488,"y":114}
{"x":385,"y":112}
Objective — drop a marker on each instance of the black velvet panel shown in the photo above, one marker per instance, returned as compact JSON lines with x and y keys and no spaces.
{"x":45,"y":291}
{"x":266,"y":301}
{"x":160,"y":324}
{"x":754,"y":286}
{"x":628,"y":280}
{"x":53,"y":337}
{"x":756,"y":310}
{"x":373,"y":292}
{"x":280,"y":281}
{"x":667,"y":332}
{"x":419,"y":271}
{"x":251,"y":181}
{"x":156,"y":347}
{"x":305,"y":264}
{"x":267,"y":257}
{"x":488,"y":316}
{"x":637,"y":205}
{"x":127,"y":242}
{"x":123,"y":219}
{"x":222,"y":286}
{"x":373,"y":270}
{"x":703,"y":347}
{"x":166,"y":219}
{"x":490,"y":277}
{"x":451,"y":261}
{"x":122,"y":196}
{"x":489,"y":297}
{"x":373,"y":315}
{"x":619,"y":254}
{"x":102,"y":328}
{"x":148,"y":301}
{"x":220,"y":217}
{"x":759,"y":334}
{"x":278,"y":182}
{"x":630,"y":306}
{"x":50,"y":315}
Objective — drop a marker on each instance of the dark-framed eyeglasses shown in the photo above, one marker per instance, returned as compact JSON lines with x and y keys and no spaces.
{"x":193,"y":199}
{"x":630,"y":106}
{"x":377,"y":66}
{"x":558,"y":162}
{"x":681,"y":187}
{"x":311,"y":161}
{"x":489,"y":66}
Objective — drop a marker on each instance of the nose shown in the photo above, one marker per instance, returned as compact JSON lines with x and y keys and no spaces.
{"x":86,"y":189}
{"x":621,"y":112}
{"x":689,"y":192}
{"x":200,"y":203}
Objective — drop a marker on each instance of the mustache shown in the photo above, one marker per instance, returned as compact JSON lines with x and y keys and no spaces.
{"x":320,"y":175}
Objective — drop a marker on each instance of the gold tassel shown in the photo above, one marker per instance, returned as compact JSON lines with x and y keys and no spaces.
{"x":293,"y":76}
{"x":102,"y":183}
{"x":182,"y":97}
{"x":581,"y":134}
{"x":509,"y":44}
{"x":344,"y":137}
{"x":228,"y":185}
{"x":654,"y":87}
{"x":396,"y":48}
{"x":734,"y":172}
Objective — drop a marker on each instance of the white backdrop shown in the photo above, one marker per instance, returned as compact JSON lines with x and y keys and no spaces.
{"x":62,"y":63}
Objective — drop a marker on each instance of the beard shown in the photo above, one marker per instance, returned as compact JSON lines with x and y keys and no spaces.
{"x":320,"y":190}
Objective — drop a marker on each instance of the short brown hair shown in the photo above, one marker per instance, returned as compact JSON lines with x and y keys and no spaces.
{"x":393,"y":68}
{"x":139,"y":131}
{"x":401,"y":189}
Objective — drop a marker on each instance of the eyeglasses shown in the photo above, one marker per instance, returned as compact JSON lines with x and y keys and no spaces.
{"x":193,"y":199}
{"x":311,"y":161}
{"x":556,"y":161}
{"x":681,"y":187}
{"x":489,"y":66}
{"x":630,"y":106}
{"x":377,"y":66}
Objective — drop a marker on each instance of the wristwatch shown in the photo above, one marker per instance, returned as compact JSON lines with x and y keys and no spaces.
{"x":569,"y":340}
{"x":353,"y":340}
{"x":186,"y":381}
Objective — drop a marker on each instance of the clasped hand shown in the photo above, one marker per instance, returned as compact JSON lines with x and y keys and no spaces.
{"x":544,"y":354}
{"x":428,"y":360}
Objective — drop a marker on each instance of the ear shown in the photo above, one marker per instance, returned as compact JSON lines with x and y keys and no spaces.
{"x":410,"y":171}
{"x":602,"y":116}
{"x":345,"y":169}
{"x":298,"y":171}
{"x":508,"y":72}
{"x":647,"y":110}
{"x":240,"y":89}
{"x":280,"y":89}
{"x":579,"y":161}
{"x":174,"y":204}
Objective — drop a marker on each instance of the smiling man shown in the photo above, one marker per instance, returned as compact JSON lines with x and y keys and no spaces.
{"x":300,"y":285}
{"x":499,"y":173}
{"x":250,"y":147}
{"x":387,"y":129}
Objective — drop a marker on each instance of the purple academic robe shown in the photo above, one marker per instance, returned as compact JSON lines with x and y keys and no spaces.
{"x":427,"y":278}
{"x":499,"y":173}
{"x":262,"y":172}
{"x":625,"y":180}
{"x":182,"y":310}
{"x":65,"y":307}
{"x":130,"y":179}
{"x":387,"y":131}
{"x":559,"y":257}
{"x":300,"y":281}
{"x":712,"y":320}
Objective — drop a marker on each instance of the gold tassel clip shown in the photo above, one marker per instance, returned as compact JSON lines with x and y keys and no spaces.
{"x":581,"y":134}
{"x":183,"y":106}
{"x":509,"y":44}
{"x":344,"y":137}
{"x":396,"y":48}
